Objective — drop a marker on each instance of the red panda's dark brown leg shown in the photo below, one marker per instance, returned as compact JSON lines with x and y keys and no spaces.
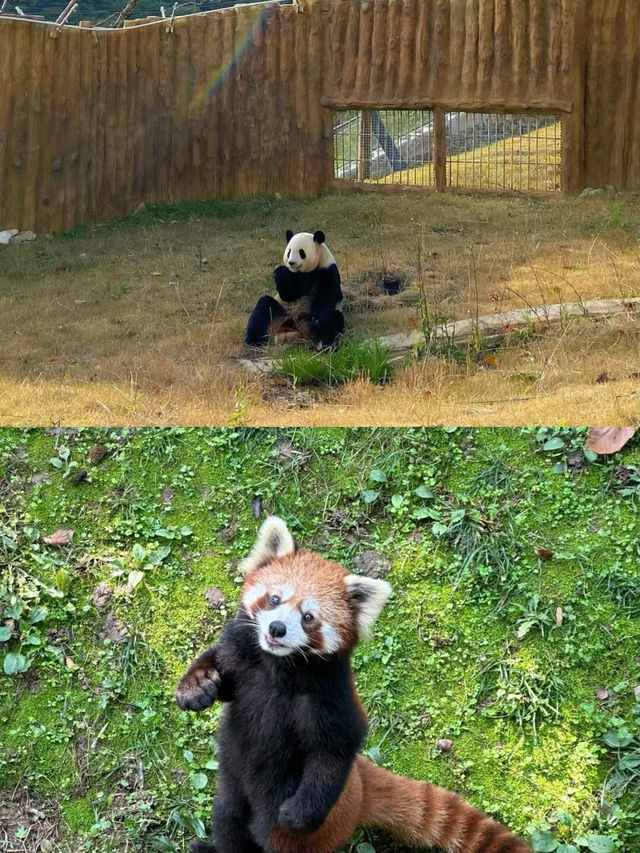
{"x":202,"y":684}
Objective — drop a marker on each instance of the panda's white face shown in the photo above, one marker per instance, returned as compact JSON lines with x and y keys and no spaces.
{"x":302,"y":253}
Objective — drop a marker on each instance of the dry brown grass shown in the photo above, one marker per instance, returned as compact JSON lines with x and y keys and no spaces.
{"x":97,"y":333}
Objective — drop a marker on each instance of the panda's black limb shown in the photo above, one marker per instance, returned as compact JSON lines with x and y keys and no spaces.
{"x":328,"y":332}
{"x":290,"y":285}
{"x":266,"y":311}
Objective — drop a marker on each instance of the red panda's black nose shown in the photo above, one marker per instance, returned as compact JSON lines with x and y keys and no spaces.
{"x":277,"y":629}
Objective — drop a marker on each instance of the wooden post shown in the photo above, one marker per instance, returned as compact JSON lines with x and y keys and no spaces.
{"x":573,"y":123}
{"x":364,"y":146}
{"x":440,"y":148}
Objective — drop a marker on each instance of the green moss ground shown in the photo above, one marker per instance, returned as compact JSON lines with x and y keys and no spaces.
{"x":92,"y":727}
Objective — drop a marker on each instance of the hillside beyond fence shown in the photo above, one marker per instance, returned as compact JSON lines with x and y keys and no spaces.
{"x":242,"y":101}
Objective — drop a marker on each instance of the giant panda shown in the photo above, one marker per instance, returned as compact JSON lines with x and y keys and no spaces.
{"x":308,"y":285}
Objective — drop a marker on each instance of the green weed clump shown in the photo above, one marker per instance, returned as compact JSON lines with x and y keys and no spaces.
{"x":352,"y":360}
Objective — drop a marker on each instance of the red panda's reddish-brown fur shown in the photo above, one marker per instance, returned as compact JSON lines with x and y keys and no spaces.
{"x":417,"y":813}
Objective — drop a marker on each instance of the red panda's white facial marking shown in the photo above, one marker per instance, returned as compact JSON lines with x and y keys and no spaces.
{"x":301,"y":602}
{"x":252,"y":595}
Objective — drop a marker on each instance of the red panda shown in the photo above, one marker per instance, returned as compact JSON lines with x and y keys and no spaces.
{"x":290,"y":777}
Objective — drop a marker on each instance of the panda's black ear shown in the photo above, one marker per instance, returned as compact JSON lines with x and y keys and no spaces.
{"x":289,"y":235}
{"x":318,"y":237}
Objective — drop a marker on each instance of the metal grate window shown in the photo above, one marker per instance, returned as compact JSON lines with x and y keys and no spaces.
{"x":483,"y":150}
{"x":500,"y":151}
{"x":384,"y":146}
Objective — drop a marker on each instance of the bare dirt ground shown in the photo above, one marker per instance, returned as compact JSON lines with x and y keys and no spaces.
{"x":141,"y":322}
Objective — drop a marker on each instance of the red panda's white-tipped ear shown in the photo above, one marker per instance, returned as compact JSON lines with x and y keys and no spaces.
{"x":369,"y":596}
{"x":274,"y":540}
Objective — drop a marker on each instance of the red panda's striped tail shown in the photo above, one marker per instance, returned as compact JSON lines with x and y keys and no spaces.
{"x":420,"y":814}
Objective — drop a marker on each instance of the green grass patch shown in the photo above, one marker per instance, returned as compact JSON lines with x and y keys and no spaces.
{"x":352,"y":360}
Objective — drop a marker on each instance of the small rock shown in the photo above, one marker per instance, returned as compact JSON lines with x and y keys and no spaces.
{"x":97,"y":453}
{"x":215,"y":597}
{"x":5,"y":236}
{"x":101,"y":595}
{"x":39,"y":478}
{"x":444,"y":744}
{"x":167,"y":495}
{"x":601,"y":693}
{"x":23,"y":237}
{"x":576,"y":461}
{"x":372,"y":564}
{"x":623,"y":474}
{"x":113,"y":629}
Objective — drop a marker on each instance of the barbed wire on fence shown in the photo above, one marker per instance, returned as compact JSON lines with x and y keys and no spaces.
{"x":110,"y":15}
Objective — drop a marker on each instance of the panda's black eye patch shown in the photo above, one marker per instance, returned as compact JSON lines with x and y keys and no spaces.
{"x":302,"y":254}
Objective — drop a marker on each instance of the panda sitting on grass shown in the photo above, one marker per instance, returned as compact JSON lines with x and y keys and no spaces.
{"x":308,"y":285}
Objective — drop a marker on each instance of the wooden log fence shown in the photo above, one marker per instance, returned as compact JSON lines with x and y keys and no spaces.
{"x":241,"y":101}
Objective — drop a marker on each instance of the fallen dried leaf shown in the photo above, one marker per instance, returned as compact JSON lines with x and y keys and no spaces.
{"x":214,"y":596}
{"x":61,"y":537}
{"x":97,"y":453}
{"x":113,"y":629}
{"x":542,"y":553}
{"x":101,"y":595}
{"x":608,"y":439}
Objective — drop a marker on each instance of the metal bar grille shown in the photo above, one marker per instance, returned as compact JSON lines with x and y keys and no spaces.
{"x":496,"y":151}
{"x":397,"y":145}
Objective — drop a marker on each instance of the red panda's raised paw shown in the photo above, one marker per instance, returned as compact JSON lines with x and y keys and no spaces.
{"x":197,"y":689}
